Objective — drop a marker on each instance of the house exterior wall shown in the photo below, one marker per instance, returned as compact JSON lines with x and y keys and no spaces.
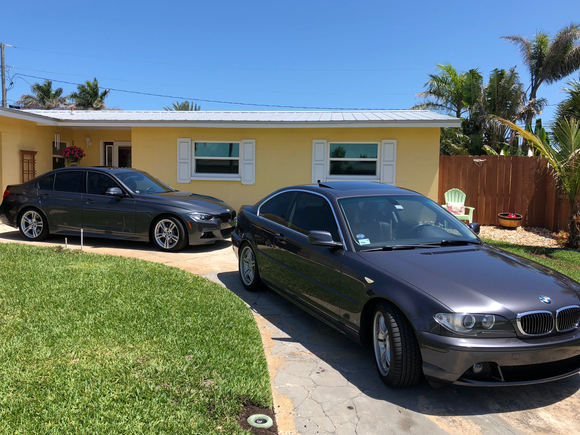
{"x":284,"y":157}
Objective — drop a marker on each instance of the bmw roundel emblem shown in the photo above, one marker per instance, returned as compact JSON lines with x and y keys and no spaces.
{"x":546,"y":299}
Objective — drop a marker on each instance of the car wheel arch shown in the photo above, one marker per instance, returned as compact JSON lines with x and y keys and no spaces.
{"x":367,"y":318}
{"x":156,"y":218}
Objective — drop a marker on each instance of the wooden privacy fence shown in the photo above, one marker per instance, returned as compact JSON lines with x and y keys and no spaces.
{"x":502,"y":184}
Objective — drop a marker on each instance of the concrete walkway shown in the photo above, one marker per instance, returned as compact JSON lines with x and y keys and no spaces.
{"x":325,"y":384}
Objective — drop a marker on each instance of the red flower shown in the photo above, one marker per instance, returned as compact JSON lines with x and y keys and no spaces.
{"x":73,"y":152}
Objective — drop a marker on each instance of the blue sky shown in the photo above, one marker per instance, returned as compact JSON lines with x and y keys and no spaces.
{"x":302,"y":54}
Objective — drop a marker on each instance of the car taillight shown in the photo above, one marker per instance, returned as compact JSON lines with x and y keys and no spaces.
{"x":6,"y":193}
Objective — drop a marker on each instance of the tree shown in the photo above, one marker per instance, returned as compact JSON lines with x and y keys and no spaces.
{"x":89,"y":96}
{"x":43,"y":97}
{"x":570,"y":107}
{"x":184,"y":106}
{"x":563,"y":156}
{"x":548,"y":61}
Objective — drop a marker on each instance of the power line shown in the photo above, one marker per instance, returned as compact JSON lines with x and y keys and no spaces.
{"x":207,"y":101}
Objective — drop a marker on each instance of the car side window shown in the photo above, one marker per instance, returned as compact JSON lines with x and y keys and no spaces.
{"x":46,"y":183}
{"x":98,"y":184}
{"x":69,"y":181}
{"x":312,"y":212}
{"x":276,"y":208}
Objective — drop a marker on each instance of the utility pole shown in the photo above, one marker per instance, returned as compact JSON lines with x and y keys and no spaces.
{"x":3,"y":67}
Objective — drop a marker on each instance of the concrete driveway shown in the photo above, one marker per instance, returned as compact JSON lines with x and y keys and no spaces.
{"x":325,"y":384}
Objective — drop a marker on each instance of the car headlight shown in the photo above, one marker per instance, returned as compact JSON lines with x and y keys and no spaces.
{"x":472,"y":323}
{"x":200,"y":217}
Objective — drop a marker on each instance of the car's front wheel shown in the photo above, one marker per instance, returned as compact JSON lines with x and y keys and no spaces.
{"x":396,"y":349}
{"x":169,"y":234}
{"x":33,"y":225}
{"x":248,"y":268}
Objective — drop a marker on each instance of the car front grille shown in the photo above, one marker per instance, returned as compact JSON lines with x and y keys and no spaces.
{"x":228,"y":216}
{"x":543,"y":322}
{"x":536,"y":323}
{"x":567,"y":318}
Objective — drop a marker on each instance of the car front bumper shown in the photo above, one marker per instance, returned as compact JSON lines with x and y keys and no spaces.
{"x":203,"y":233}
{"x":498,"y":361}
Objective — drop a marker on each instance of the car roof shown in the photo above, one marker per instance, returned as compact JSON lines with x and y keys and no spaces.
{"x":344,"y":189}
{"x":110,"y":169}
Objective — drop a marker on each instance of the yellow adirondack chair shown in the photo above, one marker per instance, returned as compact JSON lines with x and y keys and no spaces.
{"x":457,"y":197}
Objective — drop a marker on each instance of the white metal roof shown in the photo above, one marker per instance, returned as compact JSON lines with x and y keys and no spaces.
{"x":293,"y":119}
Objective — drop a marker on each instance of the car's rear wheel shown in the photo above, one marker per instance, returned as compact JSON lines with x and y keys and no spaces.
{"x":33,"y":225}
{"x":396,"y":349}
{"x":169,"y":234}
{"x":248,"y":268}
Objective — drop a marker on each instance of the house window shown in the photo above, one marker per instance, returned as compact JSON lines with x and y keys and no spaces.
{"x":358,"y":159}
{"x":216,"y":158}
{"x":28,"y":162}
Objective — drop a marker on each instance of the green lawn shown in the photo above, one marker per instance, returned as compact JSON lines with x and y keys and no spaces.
{"x":562,"y":260}
{"x":93,"y":344}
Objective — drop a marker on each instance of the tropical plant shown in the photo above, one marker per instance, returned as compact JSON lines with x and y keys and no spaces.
{"x":43,"y":97}
{"x":89,"y":96}
{"x":570,"y":107}
{"x":548,"y":61}
{"x":184,"y":106}
{"x":563,"y":156}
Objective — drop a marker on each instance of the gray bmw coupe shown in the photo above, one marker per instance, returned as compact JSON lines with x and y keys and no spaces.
{"x":391,"y":268}
{"x":118,"y":203}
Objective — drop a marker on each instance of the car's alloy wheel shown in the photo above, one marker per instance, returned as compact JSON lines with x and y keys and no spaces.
{"x":169,"y":234}
{"x":33,"y":225}
{"x":397,"y":352}
{"x":248,"y":268}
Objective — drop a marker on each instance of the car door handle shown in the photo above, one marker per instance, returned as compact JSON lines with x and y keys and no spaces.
{"x":280,"y":237}
{"x":89,"y":201}
{"x":45,"y":196}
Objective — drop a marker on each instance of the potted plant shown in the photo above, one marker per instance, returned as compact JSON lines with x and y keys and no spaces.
{"x":509,"y":220}
{"x":72,"y":155}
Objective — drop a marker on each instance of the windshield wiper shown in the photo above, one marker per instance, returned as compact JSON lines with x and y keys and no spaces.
{"x":400,"y":247}
{"x":459,"y":242}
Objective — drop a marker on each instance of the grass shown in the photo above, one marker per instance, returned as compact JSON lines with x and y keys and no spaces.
{"x":562,"y":260}
{"x":93,"y":344}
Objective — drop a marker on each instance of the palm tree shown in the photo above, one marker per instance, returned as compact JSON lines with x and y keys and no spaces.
{"x":184,"y":106}
{"x":89,"y":96}
{"x":548,"y":61}
{"x":43,"y":97}
{"x":446,"y":92}
{"x":570,"y":107}
{"x":563,"y":156}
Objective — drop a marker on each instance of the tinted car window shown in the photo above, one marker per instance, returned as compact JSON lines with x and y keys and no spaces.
{"x":69,"y":181}
{"x":46,"y":183}
{"x":276,"y":208}
{"x":97,"y":183}
{"x":312,"y":212}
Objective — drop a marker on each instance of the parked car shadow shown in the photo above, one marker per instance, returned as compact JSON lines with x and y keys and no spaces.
{"x":9,"y":234}
{"x":296,"y":328}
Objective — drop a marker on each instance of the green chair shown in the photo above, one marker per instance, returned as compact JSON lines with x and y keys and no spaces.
{"x":456,"y":196}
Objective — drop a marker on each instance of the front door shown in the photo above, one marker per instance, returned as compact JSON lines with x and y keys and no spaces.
{"x":116,"y":154}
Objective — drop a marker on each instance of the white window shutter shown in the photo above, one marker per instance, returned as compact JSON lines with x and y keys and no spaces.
{"x":388,"y":161}
{"x":319,"y":159}
{"x":184,"y":160}
{"x":248,"y":162}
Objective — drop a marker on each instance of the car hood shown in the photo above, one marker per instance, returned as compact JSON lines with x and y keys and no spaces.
{"x":189,"y":201}
{"x":479,"y":279}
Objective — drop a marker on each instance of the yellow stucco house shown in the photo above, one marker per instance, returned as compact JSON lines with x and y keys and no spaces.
{"x":239,"y":157}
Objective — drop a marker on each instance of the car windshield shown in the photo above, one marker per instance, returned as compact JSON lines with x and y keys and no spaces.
{"x":142,"y":182}
{"x":402,"y":221}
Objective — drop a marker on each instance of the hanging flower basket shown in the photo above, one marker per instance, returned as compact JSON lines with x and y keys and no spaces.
{"x":72,"y":155}
{"x":509,"y":220}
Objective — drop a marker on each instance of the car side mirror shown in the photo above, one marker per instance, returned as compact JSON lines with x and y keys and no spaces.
{"x":475,"y":227}
{"x":322,"y":238}
{"x":114,"y":191}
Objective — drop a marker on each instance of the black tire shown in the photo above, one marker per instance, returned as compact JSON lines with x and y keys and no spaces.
{"x":32,"y":224}
{"x":168,"y":234}
{"x":397,"y":352}
{"x":248,"y":268}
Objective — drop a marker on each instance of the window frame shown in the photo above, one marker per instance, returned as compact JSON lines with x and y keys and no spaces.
{"x":27,"y":165}
{"x":329,"y":160}
{"x":216,"y":176}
